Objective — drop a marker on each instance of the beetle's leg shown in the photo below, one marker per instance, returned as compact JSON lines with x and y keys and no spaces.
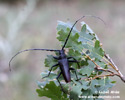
{"x":59,"y":82}
{"x":51,"y":70}
{"x":75,"y":74}
{"x":74,"y":60}
{"x":55,"y":57}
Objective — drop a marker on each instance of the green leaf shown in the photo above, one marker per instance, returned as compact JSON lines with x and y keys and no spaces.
{"x":80,"y":45}
{"x":64,"y":26}
{"x":98,"y":48}
{"x":52,"y":91}
{"x":50,"y":61}
{"x":76,"y":91}
{"x":52,"y":75}
{"x":85,"y":36}
{"x":93,"y":85}
{"x":101,"y":64}
{"x":95,"y":50}
{"x":105,"y":84}
{"x":113,"y":82}
{"x":88,"y":70}
{"x":73,"y":53}
{"x":85,"y":85}
{"x":72,"y":42}
{"x":86,"y":94}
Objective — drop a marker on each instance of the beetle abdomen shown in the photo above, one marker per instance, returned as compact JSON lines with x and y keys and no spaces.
{"x":64,"y":66}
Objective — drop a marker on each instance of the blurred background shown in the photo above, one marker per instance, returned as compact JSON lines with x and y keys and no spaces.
{"x":32,"y":24}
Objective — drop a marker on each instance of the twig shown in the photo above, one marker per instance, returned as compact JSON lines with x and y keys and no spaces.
{"x":107,"y":70}
{"x":114,"y":66}
{"x":103,"y":76}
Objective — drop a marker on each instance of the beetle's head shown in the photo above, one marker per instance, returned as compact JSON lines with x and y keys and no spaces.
{"x":62,"y":53}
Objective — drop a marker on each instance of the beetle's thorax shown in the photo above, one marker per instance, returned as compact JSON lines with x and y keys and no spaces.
{"x":62,"y":54}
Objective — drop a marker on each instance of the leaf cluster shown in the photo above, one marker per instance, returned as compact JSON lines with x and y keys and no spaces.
{"x":86,"y":48}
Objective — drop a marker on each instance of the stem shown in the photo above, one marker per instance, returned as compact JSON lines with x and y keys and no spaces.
{"x":103,"y":76}
{"x":119,"y":74}
{"x":114,"y":66}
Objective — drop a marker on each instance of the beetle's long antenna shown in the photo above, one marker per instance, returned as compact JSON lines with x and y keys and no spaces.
{"x":75,"y":24}
{"x":96,"y":17}
{"x":71,"y":31}
{"x":28,"y":50}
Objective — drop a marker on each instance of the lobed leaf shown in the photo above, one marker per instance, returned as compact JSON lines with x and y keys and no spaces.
{"x":80,"y":44}
{"x":52,"y":91}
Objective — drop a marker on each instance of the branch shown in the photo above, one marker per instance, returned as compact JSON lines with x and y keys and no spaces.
{"x":102,"y":76}
{"x":107,"y":70}
{"x":115,"y":67}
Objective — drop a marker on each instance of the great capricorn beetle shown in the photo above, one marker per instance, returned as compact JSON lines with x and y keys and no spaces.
{"x":63,"y":60}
